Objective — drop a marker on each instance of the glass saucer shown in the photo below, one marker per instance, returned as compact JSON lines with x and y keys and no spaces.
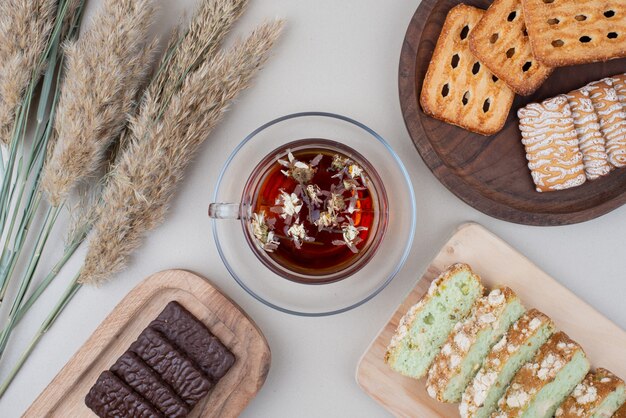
{"x":315,"y":299}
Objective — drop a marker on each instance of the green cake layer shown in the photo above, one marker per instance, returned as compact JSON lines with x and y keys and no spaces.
{"x":425,"y":327}
{"x":470,"y":342}
{"x":599,"y":395}
{"x":514,"y":349}
{"x":542,"y":384}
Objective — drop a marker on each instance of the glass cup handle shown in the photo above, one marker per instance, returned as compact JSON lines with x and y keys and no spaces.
{"x":224,"y":211}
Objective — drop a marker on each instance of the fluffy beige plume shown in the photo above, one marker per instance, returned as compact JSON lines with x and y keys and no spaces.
{"x":210,"y":24}
{"x":106,"y":68}
{"x":25,"y":27}
{"x":144,"y":180}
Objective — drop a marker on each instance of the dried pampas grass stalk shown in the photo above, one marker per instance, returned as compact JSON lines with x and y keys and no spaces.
{"x":210,"y":24}
{"x":106,"y":68}
{"x":25,"y":28}
{"x":142,"y":183}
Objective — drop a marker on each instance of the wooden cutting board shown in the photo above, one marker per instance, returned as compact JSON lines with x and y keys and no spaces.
{"x":497,"y":263}
{"x":64,"y":396}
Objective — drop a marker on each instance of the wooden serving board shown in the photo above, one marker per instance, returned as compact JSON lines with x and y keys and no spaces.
{"x":491,"y":173}
{"x":64,"y":396}
{"x":496,"y":263}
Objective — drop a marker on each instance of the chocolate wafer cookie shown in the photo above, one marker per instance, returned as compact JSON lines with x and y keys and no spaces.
{"x":173,"y":366}
{"x":457,"y":88}
{"x":147,"y":383}
{"x":193,"y":338}
{"x":549,"y":135}
{"x":567,"y":32}
{"x":501,"y":43}
{"x":612,"y":119}
{"x":590,"y":139}
{"x":110,"y":397}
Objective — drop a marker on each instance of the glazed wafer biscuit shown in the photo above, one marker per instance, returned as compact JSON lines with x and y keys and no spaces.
{"x":457,"y":88}
{"x":567,"y":32}
{"x":619,"y":84}
{"x":501,"y":43}
{"x":612,"y":119}
{"x":551,"y":142}
{"x":590,"y":139}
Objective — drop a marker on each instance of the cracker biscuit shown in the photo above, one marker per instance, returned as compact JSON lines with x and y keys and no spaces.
{"x":590,"y":139}
{"x":549,"y":135}
{"x":457,"y":88}
{"x":567,"y":32}
{"x":612,"y":119}
{"x":501,"y":43}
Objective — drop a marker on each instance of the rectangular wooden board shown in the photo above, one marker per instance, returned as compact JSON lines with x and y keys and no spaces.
{"x":497,"y":263}
{"x":65,"y":395}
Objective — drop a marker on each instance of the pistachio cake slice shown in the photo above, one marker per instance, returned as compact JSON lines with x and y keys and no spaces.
{"x":542,"y":384}
{"x":600,"y":395}
{"x":425,"y":327}
{"x":514,"y":349}
{"x":469,"y":343}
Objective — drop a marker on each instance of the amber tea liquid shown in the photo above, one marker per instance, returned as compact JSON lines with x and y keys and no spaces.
{"x":322,"y":253}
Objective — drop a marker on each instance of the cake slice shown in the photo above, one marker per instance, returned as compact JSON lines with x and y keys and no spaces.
{"x":514,"y":349}
{"x":470,"y":341}
{"x":425,"y":327}
{"x":600,"y":395}
{"x":542,"y":384}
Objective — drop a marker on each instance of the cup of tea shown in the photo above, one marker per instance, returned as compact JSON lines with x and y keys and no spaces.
{"x":313,"y":213}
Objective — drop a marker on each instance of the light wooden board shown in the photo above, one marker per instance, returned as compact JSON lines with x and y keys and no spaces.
{"x":64,"y":396}
{"x":497,"y":263}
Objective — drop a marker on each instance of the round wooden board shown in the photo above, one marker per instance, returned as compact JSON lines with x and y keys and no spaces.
{"x":491,"y":173}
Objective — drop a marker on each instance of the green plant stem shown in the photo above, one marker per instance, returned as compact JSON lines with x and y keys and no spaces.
{"x":69,"y":293}
{"x":70,"y":249}
{"x":42,"y":238}
{"x":52,"y":274}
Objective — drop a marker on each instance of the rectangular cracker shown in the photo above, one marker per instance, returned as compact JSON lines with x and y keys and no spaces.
{"x":551,"y":142}
{"x":612,"y":119}
{"x":501,"y":43}
{"x":590,"y":139}
{"x":451,"y":91}
{"x":567,"y":32}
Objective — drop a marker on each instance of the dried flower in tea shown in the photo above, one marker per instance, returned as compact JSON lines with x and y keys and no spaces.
{"x":263,"y":231}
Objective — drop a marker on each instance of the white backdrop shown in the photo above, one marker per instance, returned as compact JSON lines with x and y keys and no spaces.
{"x":337,"y":56}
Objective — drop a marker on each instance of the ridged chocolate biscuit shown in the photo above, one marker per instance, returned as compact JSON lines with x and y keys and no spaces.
{"x":172,"y":365}
{"x":193,"y":338}
{"x":110,"y":397}
{"x":146,"y":382}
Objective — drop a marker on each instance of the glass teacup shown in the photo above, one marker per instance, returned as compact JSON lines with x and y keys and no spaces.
{"x":313,"y":211}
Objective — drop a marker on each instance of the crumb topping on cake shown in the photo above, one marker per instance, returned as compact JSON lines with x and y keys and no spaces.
{"x":551,"y":358}
{"x":407,"y":320}
{"x":517,"y":336}
{"x":589,"y":394}
{"x":484,"y":314}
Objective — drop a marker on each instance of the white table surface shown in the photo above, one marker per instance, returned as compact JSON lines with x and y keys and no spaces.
{"x":338,"y":56}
